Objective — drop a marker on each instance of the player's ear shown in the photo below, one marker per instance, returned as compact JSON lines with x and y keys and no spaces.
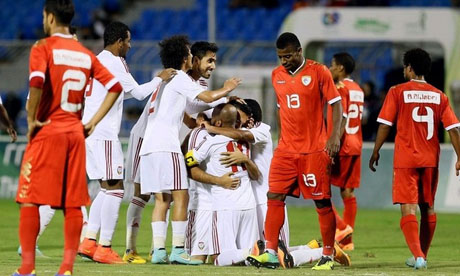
{"x":195,"y":59}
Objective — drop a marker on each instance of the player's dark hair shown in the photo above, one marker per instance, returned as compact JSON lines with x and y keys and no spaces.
{"x":174,"y":50}
{"x":287,"y":39}
{"x":346,"y":60}
{"x":419,"y":60}
{"x":72,"y":30}
{"x":114,"y":31}
{"x":255,"y":109}
{"x":200,"y":48}
{"x":63,"y":10}
{"x":243,"y":107}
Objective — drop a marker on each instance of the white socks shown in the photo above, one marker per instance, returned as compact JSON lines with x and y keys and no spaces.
{"x":299,"y":247}
{"x":178,"y":233}
{"x":109,"y":215}
{"x":85,"y":223}
{"x":306,"y":255}
{"x":46,"y":214}
{"x":94,"y":220}
{"x":232,"y":257}
{"x":159,"y":229}
{"x":133,"y":221}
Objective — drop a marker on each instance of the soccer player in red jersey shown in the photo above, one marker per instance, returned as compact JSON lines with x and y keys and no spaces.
{"x":346,"y":170}
{"x":417,"y":108}
{"x":301,"y":162}
{"x":53,"y":166}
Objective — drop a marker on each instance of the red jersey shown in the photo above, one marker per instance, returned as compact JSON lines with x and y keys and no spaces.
{"x":417,"y":108}
{"x":301,"y":98}
{"x":352,"y":140}
{"x":61,"y":67}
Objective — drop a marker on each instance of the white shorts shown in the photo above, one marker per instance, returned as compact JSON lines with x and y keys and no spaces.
{"x":261,"y":215}
{"x":198,"y":234}
{"x":163,"y":172}
{"x":232,"y":229}
{"x":133,"y":159}
{"x":104,"y":159}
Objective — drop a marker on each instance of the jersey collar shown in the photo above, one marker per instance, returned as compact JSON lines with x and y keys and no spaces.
{"x":348,"y":79}
{"x":297,"y":70}
{"x":63,"y":35}
{"x":422,"y":81}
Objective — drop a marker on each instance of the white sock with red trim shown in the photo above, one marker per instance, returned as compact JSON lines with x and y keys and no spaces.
{"x":109,"y":215}
{"x":304,"y":256}
{"x":133,"y":221}
{"x":94,"y":219}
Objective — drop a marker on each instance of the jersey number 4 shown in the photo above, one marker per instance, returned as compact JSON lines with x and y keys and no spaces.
{"x":428,"y":119}
{"x":74,"y":80}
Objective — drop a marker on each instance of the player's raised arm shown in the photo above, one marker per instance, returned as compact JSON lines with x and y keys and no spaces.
{"x":236,"y":134}
{"x":214,"y":95}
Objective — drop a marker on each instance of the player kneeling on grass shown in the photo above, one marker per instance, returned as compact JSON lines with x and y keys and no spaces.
{"x":418,"y":109}
{"x":234,"y":221}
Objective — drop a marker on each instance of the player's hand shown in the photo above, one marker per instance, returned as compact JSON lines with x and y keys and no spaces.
{"x":232,"y":83}
{"x":33,"y":126}
{"x":167,"y":74}
{"x":236,"y":98}
{"x":229,"y":182}
{"x":88,"y":129}
{"x":233,"y":158}
{"x":375,"y":159}
{"x":12,"y":132}
{"x":207,"y":125}
{"x":332,"y":146}
{"x":457,"y":167}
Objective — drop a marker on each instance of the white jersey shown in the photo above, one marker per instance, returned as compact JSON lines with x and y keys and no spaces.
{"x":109,"y":127}
{"x":209,"y":151}
{"x":141,"y":124}
{"x":166,"y":114}
{"x":261,"y":154}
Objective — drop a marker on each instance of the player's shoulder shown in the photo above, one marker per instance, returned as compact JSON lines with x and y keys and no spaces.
{"x":278,"y":70}
{"x":262,"y":126}
{"x":40,"y":43}
{"x":315,"y":65}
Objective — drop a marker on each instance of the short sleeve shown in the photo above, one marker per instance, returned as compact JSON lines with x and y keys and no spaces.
{"x":327,"y":85}
{"x":389,"y":109}
{"x":448,"y":118}
{"x":202,"y":151}
{"x":190,"y":90}
{"x":38,"y":64}
{"x":345,"y":95}
{"x":261,"y":134}
{"x":103,"y":75}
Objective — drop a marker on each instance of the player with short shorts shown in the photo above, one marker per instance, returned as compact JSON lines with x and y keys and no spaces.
{"x":418,"y":109}
{"x":53,"y":166}
{"x":301,"y":162}
{"x":162,"y":167}
{"x":346,"y":170}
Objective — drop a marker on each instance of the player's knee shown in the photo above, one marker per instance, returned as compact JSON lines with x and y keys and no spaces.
{"x":273,"y":196}
{"x":145,"y":198}
{"x":115,"y":184}
{"x":323,"y":203}
{"x":347,"y":193}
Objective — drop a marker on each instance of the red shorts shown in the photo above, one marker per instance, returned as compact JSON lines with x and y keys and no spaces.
{"x":346,"y":171}
{"x":292,"y":173}
{"x":53,"y":172}
{"x":415,"y":185}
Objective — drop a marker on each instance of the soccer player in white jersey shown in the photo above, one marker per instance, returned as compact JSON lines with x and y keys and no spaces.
{"x":234,"y":222}
{"x":162,"y":164}
{"x":104,"y":156}
{"x":203,"y":64}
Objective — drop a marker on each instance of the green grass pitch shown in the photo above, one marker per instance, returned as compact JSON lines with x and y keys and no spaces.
{"x":380,"y":247}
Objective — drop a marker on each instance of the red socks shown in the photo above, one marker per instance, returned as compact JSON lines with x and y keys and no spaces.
{"x":409,"y":226}
{"x":349,"y":212}
{"x":427,"y":227}
{"x":72,"y":230}
{"x":340,"y":223}
{"x":29,"y":225}
{"x":273,"y":223}
{"x":327,"y":226}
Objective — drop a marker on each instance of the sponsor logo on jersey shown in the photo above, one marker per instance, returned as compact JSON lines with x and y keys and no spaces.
{"x":119,"y":169}
{"x":280,"y":81}
{"x":306,"y":80}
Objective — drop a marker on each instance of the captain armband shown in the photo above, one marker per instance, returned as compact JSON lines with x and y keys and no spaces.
{"x":190,"y":159}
